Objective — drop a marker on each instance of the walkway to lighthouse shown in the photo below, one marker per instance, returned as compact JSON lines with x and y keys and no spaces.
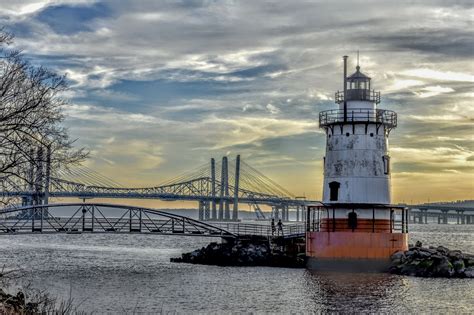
{"x":78,"y":218}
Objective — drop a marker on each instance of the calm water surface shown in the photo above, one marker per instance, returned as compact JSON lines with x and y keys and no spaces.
{"x":132,"y":273}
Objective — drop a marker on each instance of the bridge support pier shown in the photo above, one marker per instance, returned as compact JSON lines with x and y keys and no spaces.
{"x":207,"y":210}
{"x":225,"y":167}
{"x":235,"y":210}
{"x":460,"y":218}
{"x":275,"y":214}
{"x":213,"y":189}
{"x":200,"y":211}
{"x":445,"y":216}
{"x":224,"y":210}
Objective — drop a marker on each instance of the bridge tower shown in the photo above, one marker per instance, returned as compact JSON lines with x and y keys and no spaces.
{"x":356,"y":224}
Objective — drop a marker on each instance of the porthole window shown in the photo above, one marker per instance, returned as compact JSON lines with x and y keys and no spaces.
{"x":386,"y":164}
{"x":347,"y":134}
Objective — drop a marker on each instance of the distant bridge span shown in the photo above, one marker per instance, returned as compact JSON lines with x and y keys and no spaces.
{"x":218,"y":193}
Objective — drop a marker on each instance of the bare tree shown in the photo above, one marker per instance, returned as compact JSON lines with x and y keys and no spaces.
{"x":30,"y":118}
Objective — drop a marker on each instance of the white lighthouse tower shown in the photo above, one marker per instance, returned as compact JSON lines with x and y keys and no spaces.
{"x":356,"y":222}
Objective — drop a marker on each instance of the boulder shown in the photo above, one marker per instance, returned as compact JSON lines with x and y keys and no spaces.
{"x":469,"y":272}
{"x":409,"y":253}
{"x":442,"y":250}
{"x":444,"y":268}
{"x":422,"y":254}
{"x":430,"y":262}
{"x":400,"y":255}
{"x":430,"y":250}
{"x":455,"y":254}
{"x":459,"y":266}
{"x":468,"y":260}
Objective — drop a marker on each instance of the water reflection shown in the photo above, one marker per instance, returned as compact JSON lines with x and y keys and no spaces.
{"x":353,"y":292}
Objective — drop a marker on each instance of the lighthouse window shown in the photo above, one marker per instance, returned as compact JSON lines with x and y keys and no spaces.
{"x":347,"y":134}
{"x":334,"y":191}
{"x":386,"y":164}
{"x":371,"y":134}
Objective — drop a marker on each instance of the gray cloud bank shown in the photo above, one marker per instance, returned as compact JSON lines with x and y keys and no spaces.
{"x":194,"y":79}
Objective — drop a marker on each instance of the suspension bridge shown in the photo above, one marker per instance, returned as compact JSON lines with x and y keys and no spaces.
{"x":217,"y":187}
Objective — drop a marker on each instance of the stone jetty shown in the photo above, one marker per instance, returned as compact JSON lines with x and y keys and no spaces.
{"x":432,"y":262}
{"x":244,"y":253}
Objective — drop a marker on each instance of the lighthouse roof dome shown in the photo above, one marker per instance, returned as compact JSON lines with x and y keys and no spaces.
{"x":358,"y":76}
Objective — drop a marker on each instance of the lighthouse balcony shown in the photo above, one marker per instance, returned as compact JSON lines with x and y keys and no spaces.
{"x":358,"y":115}
{"x":358,"y":95}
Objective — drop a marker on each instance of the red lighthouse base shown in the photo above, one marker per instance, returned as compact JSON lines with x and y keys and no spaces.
{"x":353,"y":251}
{"x":335,"y":242}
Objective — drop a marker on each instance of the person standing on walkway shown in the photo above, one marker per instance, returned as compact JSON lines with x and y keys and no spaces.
{"x":280,"y":227}
{"x":273,"y":226}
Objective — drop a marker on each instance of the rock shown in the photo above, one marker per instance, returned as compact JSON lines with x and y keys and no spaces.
{"x":400,"y":255}
{"x":469,"y":272}
{"x":430,"y":262}
{"x":443,"y":250}
{"x":396,"y":262}
{"x":444,"y":268}
{"x":409,"y":253}
{"x":423,"y":254}
{"x":430,"y":250}
{"x":241,"y":253}
{"x":409,"y":269}
{"x":437,"y":257}
{"x":469,"y":260}
{"x":459,"y":266}
{"x":455,"y":254}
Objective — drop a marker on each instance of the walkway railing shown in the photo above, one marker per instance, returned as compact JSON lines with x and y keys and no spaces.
{"x":79,"y":218}
{"x":265,"y":230}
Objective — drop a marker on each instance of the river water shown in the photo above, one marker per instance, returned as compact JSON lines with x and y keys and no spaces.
{"x":132,"y":273}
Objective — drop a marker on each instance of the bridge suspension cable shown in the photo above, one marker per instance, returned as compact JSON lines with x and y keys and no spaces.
{"x":87,"y":176}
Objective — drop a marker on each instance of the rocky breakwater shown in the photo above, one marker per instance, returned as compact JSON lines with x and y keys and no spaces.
{"x":432,"y":262}
{"x":242,"y":253}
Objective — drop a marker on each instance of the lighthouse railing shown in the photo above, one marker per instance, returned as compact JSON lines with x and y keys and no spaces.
{"x":323,"y":219}
{"x":357,"y":95}
{"x":358,"y":115}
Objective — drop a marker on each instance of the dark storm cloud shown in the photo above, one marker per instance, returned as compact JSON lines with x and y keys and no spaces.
{"x":453,"y":43}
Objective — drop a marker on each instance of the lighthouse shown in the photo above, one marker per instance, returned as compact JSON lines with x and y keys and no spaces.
{"x":356,"y":227}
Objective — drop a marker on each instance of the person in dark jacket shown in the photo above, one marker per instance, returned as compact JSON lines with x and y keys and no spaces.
{"x":280,"y":227}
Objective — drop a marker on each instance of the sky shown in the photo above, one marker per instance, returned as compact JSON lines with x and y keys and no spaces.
{"x":160,"y":87}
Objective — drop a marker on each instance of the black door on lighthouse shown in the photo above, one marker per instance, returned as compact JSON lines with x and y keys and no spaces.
{"x":334,"y":191}
{"x":352,"y":220}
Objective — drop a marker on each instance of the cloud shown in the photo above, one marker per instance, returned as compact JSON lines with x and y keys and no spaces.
{"x":430,"y":91}
{"x":203,"y":78}
{"x":439,"y":75}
